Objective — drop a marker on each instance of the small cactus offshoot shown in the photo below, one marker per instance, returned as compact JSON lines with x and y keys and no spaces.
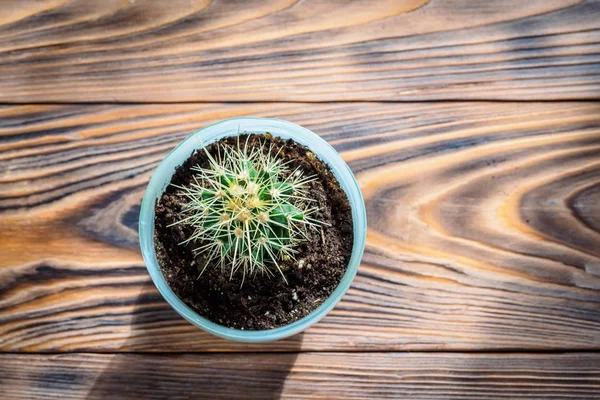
{"x":248,"y":210}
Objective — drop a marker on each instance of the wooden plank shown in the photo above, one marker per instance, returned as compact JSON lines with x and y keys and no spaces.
{"x":483,"y":226}
{"x":156,"y":51}
{"x":303,"y":375}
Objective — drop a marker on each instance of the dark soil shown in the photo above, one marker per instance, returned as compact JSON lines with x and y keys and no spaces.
{"x":262,"y":302}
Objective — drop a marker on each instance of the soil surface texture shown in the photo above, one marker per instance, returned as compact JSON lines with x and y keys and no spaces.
{"x":262,"y":302}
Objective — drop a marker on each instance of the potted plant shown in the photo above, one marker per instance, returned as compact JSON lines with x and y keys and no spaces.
{"x":252,"y":229}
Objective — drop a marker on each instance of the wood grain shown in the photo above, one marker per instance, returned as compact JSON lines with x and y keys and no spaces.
{"x":310,"y":375}
{"x":483,"y":226}
{"x":289,"y":50}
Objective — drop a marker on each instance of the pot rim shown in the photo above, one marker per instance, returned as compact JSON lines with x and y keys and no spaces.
{"x":233,"y":127}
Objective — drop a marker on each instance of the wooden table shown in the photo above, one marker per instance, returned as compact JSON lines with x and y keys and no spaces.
{"x":473,"y":128}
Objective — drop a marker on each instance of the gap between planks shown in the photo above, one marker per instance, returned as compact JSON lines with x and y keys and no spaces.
{"x":595,"y":351}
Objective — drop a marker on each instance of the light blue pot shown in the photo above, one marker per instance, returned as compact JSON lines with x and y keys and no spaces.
{"x":231,"y":127}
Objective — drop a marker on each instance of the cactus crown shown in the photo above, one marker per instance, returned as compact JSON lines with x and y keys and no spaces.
{"x":248,"y":209}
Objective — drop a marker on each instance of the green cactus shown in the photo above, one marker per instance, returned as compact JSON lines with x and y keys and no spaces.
{"x":248,"y":210}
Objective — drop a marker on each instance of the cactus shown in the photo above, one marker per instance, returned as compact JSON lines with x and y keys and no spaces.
{"x":248,"y":210}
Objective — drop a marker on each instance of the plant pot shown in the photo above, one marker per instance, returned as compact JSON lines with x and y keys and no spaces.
{"x":232,"y":127}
